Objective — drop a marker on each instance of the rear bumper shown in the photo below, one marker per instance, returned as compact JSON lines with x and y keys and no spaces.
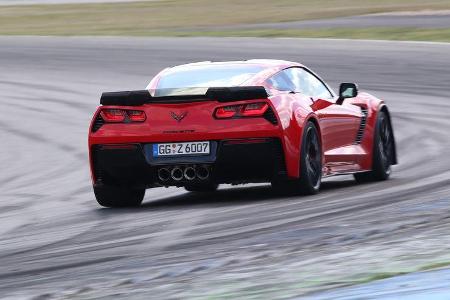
{"x":230,"y":161}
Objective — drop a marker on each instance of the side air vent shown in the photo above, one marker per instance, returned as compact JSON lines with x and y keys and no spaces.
{"x":362,"y":126}
{"x":269,"y":115}
{"x":98,"y":122}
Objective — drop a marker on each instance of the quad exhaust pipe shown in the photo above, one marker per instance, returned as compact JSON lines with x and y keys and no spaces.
{"x":202,"y":172}
{"x":163,"y":174}
{"x":189,"y":173}
{"x":178,"y":173}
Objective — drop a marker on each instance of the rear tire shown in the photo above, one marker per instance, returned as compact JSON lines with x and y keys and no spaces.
{"x":383,"y":152}
{"x":310,"y":165}
{"x":202,"y":188}
{"x":109,"y":196}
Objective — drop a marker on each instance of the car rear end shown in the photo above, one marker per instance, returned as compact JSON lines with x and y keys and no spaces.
{"x":177,"y":142}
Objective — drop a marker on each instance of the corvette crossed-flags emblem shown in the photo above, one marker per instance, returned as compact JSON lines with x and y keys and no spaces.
{"x":178,"y":118}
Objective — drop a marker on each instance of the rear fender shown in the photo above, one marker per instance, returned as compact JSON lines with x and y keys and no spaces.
{"x":293,"y":117}
{"x":292,"y":140}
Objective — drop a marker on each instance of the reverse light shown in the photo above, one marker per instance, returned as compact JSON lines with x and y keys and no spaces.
{"x":113,"y":115}
{"x":256,"y":109}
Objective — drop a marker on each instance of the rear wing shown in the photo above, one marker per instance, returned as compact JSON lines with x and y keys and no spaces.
{"x":221,"y":94}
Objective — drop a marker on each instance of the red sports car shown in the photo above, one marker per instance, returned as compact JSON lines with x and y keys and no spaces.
{"x":202,"y":124}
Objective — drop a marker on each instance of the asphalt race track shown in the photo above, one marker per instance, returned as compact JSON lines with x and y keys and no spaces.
{"x":241,"y":242}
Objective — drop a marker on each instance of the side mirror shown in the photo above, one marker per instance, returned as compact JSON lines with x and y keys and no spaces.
{"x":347,"y":90}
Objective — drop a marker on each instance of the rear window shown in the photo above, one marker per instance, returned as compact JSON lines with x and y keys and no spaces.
{"x":207,"y":76}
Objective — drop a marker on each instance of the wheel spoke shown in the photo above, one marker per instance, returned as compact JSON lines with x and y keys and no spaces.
{"x":315,"y":143}
{"x":315,"y":169}
{"x":310,"y":169}
{"x":382,"y":151}
{"x":308,"y":163}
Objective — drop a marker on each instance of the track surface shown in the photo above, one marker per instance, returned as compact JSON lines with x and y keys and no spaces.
{"x":239,"y":242}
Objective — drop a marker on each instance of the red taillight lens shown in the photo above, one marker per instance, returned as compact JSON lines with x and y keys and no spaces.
{"x":113,"y":115}
{"x":136,"y":115}
{"x":241,"y":110}
{"x":254,"y":109}
{"x":227,"y":111}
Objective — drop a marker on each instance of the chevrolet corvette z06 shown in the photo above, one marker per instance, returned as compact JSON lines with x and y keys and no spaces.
{"x":202,"y":124}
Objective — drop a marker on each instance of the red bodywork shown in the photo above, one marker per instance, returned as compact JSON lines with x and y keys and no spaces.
{"x":338,"y":125}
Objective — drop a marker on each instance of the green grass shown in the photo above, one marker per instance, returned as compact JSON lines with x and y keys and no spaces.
{"x":232,"y":290}
{"x":380,"y":276}
{"x":433,"y":266}
{"x":385,"y":275}
{"x":201,"y":17}
{"x":405,"y":34}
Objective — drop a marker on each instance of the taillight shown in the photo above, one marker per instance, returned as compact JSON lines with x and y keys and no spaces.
{"x":256,"y":109}
{"x":227,"y":111}
{"x":113,"y":115}
{"x":136,"y":115}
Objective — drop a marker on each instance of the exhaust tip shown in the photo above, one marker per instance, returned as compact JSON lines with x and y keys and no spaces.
{"x":176,"y":174}
{"x":202,"y":172}
{"x":163,"y":174}
{"x":189,"y":173}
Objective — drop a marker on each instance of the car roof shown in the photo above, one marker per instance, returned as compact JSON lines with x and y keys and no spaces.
{"x":269,"y":67}
{"x":265,"y":63}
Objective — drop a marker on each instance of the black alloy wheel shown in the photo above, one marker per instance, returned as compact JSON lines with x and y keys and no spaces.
{"x":310,"y":165}
{"x":383,"y":152}
{"x":313,"y":159}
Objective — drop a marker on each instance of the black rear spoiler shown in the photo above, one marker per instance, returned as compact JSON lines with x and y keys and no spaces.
{"x":221,"y":94}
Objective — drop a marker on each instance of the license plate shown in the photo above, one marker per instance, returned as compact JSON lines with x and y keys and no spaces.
{"x":176,"y":149}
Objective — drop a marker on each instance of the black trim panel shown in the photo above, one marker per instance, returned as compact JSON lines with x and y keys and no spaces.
{"x":221,"y":94}
{"x":231,"y":161}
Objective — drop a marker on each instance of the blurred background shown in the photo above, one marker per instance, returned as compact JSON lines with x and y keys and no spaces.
{"x":388,"y":240}
{"x":367,"y":19}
